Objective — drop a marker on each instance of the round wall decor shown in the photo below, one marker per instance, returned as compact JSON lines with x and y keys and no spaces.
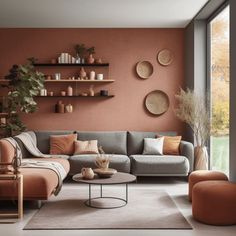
{"x":144,"y":69}
{"x":165,"y":57}
{"x":157,"y":102}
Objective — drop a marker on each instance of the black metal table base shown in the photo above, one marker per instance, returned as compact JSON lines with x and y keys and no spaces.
{"x":90,"y":200}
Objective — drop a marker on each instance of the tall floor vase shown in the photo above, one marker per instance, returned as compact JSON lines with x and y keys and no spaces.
{"x":200,"y":158}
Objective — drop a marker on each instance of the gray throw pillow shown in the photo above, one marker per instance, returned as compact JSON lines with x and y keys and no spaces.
{"x":153,"y":146}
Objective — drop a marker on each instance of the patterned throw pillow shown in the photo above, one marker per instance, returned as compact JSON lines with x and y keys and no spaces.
{"x":62,"y":144}
{"x":86,"y":147}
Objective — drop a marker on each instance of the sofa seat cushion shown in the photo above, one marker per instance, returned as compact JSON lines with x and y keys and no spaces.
{"x":119,"y":162}
{"x":38,"y":183}
{"x":159,"y":165}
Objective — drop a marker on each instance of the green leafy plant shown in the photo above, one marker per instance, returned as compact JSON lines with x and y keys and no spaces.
{"x":24,"y":83}
{"x":91,"y":50}
{"x":80,"y":49}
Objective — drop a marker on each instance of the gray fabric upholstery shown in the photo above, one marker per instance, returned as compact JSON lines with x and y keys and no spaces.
{"x":119,"y":162}
{"x":112,"y":142}
{"x":43,"y":139}
{"x":135,"y":140}
{"x":187,"y":150}
{"x":159,"y":165}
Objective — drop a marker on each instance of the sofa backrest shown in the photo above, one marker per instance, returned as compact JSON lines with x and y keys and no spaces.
{"x":135,"y":140}
{"x":43,"y":139}
{"x":112,"y":142}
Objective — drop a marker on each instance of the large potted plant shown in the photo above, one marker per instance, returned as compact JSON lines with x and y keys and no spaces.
{"x":24,"y":84}
{"x":192,"y":109}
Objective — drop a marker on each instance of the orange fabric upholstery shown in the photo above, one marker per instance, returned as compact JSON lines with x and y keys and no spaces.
{"x":171,"y":144}
{"x":214,"y":202}
{"x":7,"y":151}
{"x":203,"y":175}
{"x":38,"y":183}
{"x":62,"y":144}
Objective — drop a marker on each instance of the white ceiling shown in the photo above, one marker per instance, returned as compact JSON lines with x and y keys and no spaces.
{"x":98,"y":13}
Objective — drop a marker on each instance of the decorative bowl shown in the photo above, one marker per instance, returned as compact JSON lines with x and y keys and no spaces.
{"x":105,"y":173}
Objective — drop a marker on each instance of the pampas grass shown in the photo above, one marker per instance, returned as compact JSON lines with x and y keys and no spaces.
{"x":192,"y":109}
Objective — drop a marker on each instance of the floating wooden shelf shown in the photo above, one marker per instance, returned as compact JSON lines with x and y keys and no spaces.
{"x":3,"y":81}
{"x":70,"y":64}
{"x":79,"y":96}
{"x":3,"y":114}
{"x":80,"y":81}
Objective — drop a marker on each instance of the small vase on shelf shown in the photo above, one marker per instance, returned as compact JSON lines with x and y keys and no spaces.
{"x":77,"y":59}
{"x":69,"y":91}
{"x":91,"y":59}
{"x":82,"y":73}
{"x":91,"y":91}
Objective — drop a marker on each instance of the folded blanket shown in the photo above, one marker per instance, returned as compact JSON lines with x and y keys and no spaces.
{"x":29,"y":141}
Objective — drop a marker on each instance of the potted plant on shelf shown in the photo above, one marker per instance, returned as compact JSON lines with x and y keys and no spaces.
{"x":24,"y":84}
{"x":91,"y":51}
{"x":192,"y":109}
{"x":80,"y":53}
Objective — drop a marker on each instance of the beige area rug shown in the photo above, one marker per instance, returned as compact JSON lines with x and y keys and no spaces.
{"x":146,"y":209}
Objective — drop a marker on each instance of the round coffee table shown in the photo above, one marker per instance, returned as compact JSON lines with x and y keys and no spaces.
{"x":118,"y":178}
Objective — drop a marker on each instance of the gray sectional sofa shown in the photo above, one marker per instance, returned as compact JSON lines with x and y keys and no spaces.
{"x":127,"y":148}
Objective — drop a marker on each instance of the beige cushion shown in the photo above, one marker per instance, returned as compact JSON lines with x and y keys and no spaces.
{"x":153,"y":146}
{"x":86,"y":147}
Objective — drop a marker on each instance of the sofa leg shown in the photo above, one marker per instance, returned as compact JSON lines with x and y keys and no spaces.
{"x":38,"y":204}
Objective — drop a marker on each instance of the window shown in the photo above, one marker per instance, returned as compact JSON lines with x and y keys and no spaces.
{"x":219,"y":90}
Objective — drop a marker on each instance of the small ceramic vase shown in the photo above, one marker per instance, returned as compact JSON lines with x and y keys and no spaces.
{"x":92,"y":75}
{"x":69,"y":91}
{"x":61,"y":107}
{"x":91,"y":90}
{"x":91,"y":59}
{"x":87,"y":173}
{"x":82,"y":73}
{"x":69,"y":108}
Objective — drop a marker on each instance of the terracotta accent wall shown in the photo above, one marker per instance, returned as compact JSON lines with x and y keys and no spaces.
{"x":122,"y":48}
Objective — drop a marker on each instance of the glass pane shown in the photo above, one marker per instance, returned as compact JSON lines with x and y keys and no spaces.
{"x":220,"y":91}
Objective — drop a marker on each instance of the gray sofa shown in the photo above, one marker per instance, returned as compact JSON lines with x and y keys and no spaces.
{"x":127,"y":148}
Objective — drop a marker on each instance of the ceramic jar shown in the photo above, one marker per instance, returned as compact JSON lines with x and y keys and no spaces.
{"x":87,"y":173}
{"x":69,"y":91}
{"x":61,"y":108}
{"x":99,"y":76}
{"x":92,"y":75}
{"x":69,"y":108}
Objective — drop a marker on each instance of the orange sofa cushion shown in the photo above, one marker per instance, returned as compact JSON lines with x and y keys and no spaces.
{"x":171,"y":145}
{"x":62,"y":144}
{"x":37,"y":183}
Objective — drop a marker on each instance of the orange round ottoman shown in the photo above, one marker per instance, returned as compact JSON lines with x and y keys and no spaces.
{"x":214,"y":202}
{"x":203,"y":175}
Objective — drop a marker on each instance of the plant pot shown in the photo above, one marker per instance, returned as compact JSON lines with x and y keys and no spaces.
{"x":90,"y":59}
{"x":200,"y":158}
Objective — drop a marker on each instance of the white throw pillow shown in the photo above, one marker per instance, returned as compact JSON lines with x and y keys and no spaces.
{"x":153,"y":146}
